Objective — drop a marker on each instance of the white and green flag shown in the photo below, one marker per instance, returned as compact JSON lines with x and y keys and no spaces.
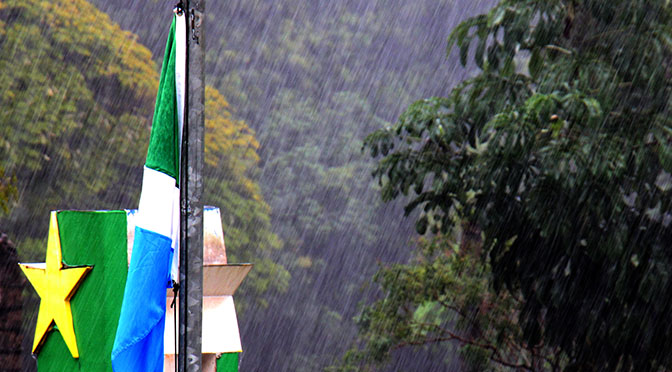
{"x":139,"y":343}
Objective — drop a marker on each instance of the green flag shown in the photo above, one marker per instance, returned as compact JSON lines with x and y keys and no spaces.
{"x":96,"y":239}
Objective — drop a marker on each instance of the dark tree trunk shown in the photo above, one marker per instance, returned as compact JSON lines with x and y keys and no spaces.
{"x":11,"y":306}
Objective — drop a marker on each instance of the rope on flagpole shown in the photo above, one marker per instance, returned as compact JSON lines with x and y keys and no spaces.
{"x":176,"y":288}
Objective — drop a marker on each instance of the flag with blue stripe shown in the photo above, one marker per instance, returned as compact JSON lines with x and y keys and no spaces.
{"x":138,"y":345}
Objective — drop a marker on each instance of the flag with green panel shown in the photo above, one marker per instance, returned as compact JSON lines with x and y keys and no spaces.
{"x":94,"y":239}
{"x":81,"y":287}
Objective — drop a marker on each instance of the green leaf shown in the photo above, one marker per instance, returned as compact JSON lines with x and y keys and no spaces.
{"x":480,"y":50}
{"x":593,"y":107}
{"x":509,"y":67}
{"x":496,"y":16}
{"x":421,"y":225}
{"x":464,"y":50}
{"x":536,"y":63}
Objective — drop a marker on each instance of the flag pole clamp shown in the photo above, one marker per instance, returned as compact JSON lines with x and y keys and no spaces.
{"x":186,"y":207}
{"x":195,"y":26}
{"x":179,"y":8}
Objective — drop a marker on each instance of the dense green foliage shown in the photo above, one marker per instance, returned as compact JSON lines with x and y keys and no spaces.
{"x":554,"y":159}
{"x":313,"y":78}
{"x":441,"y":297}
{"x":305,"y":81}
{"x":230,"y":162}
{"x":73,"y":84}
{"x":558,"y":153}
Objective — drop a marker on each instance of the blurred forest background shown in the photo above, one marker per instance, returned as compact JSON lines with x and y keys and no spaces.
{"x":528,"y":143}
{"x":293,"y":90}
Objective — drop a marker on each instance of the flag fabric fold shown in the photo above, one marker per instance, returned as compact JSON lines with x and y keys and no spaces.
{"x":138,"y":345}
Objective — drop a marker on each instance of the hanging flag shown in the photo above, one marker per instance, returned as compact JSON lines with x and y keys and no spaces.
{"x":96,"y":242}
{"x":138,"y":345}
{"x":75,"y":332}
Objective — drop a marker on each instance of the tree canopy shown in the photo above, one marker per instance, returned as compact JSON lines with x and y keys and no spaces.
{"x":231,"y":165}
{"x":74,"y":86}
{"x":557,"y":154}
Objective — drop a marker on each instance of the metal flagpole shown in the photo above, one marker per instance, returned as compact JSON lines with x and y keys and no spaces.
{"x":191,"y":189}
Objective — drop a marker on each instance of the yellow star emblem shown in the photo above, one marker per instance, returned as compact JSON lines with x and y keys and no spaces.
{"x":55,"y":284}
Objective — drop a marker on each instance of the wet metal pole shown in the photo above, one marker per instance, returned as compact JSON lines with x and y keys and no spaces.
{"x":191,"y":221}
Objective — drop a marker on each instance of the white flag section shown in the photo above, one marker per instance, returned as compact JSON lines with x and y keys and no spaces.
{"x":180,"y":91}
